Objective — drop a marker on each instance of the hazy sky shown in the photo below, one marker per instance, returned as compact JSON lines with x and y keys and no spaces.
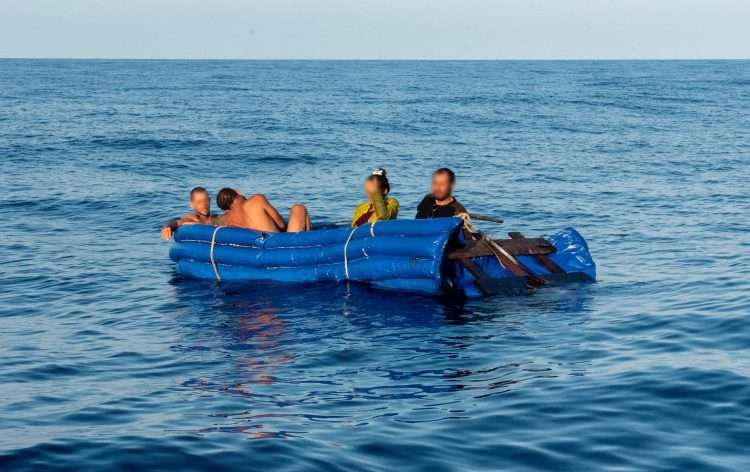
{"x":492,"y":29}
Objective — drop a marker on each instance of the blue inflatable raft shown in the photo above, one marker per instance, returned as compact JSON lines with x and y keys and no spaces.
{"x":426,"y":256}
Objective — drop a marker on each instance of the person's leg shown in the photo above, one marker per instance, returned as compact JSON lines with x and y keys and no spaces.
{"x":299,"y":219}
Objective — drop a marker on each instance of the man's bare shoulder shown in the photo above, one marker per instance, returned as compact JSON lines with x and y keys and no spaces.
{"x":256,"y":199}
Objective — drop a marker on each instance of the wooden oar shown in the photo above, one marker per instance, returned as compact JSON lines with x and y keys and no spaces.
{"x":491,"y":219}
{"x":473,"y":216}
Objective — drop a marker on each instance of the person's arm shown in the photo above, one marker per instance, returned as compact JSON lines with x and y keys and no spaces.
{"x":275,"y":216}
{"x":392,"y":207}
{"x":269,"y":210}
{"x":378,"y":204}
{"x":169,"y":228}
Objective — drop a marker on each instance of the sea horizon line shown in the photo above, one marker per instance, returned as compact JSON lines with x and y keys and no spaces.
{"x":333,"y":59}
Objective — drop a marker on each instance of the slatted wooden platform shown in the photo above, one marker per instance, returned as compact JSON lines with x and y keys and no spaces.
{"x":517,"y":245}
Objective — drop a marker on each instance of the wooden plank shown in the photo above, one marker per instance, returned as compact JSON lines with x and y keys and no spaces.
{"x":515,"y":267}
{"x":525,"y":247}
{"x":516,"y":246}
{"x":541,"y":258}
{"x":489,"y":286}
{"x":480,"y":277}
{"x":509,"y":264}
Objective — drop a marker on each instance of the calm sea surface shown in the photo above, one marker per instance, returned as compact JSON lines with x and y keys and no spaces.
{"x":108,"y":361}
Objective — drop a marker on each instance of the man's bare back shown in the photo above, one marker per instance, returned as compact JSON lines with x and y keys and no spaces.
{"x":258,"y":214}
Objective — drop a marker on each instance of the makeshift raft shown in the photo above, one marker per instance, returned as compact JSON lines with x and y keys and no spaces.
{"x":426,"y":256}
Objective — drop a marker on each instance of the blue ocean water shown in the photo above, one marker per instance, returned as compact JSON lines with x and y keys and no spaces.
{"x":108,"y":361}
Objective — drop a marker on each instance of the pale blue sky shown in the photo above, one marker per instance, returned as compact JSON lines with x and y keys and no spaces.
{"x":399,"y":29}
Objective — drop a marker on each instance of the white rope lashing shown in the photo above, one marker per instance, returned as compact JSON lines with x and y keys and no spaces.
{"x":346,"y":249}
{"x":211,"y":253}
{"x":468,"y":225}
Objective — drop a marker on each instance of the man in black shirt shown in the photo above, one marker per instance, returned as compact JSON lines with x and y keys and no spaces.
{"x":441,"y":202}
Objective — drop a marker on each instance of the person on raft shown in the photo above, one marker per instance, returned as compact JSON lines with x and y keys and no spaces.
{"x":258,"y":214}
{"x":200,"y":203}
{"x":379,"y":206}
{"x":440,"y":203}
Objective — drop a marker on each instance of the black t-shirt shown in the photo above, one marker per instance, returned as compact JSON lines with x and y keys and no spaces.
{"x":428,"y":208}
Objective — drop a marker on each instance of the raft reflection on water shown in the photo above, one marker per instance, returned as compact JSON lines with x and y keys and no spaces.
{"x":366,"y":352}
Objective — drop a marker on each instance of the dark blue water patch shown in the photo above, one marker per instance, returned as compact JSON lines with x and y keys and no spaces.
{"x":148,"y":143}
{"x":112,"y":362}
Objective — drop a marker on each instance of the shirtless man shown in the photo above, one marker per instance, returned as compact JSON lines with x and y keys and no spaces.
{"x":200,"y":202}
{"x":257,"y":214}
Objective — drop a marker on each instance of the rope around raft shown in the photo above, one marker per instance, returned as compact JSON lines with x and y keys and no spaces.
{"x":211,"y":253}
{"x":346,"y":247}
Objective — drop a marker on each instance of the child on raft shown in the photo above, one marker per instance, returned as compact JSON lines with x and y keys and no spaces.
{"x":379,"y":206}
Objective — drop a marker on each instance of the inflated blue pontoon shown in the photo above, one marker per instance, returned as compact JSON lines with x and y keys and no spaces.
{"x":426,"y":256}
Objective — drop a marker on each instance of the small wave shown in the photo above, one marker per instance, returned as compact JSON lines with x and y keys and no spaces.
{"x":129,"y":143}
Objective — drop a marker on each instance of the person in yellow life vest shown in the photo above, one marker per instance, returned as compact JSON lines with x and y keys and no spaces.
{"x":379,"y":206}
